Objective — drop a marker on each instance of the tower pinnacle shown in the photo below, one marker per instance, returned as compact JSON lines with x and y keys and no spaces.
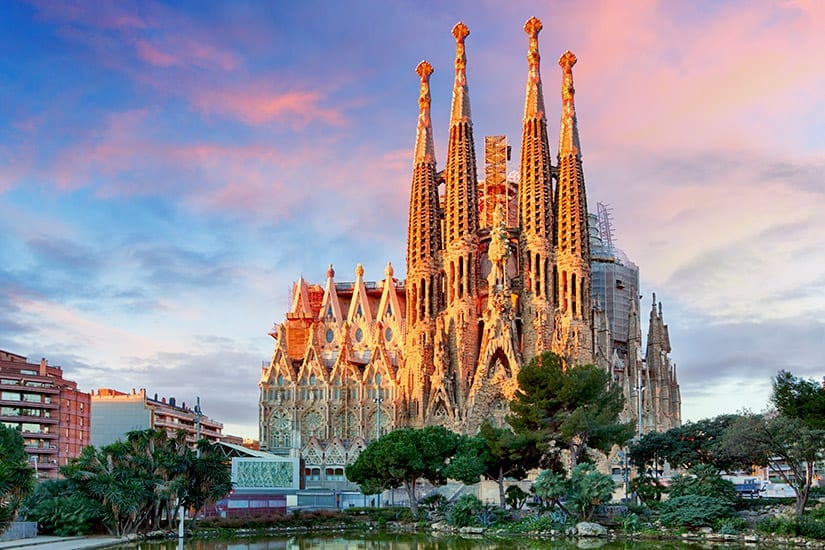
{"x":424,"y":149}
{"x":569,"y":138}
{"x":461,"y":97}
{"x":534,"y":102}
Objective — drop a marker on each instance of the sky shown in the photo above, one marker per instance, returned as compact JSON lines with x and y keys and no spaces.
{"x":168,"y":170}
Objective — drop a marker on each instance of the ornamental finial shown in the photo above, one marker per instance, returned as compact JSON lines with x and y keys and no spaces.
{"x":569,"y":140}
{"x":389,"y":271}
{"x":424,"y":149}
{"x":534,"y":99}
{"x":359,"y":271}
{"x":461,"y":101}
{"x":532,"y":27}
{"x":566,"y":62}
{"x":330,"y":272}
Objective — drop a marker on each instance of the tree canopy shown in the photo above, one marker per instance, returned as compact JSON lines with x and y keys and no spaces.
{"x":800,"y":398}
{"x":402,"y":457}
{"x":689,"y":445}
{"x":494,"y":453}
{"x":16,"y":476}
{"x":572,"y":407}
{"x":141,"y":480}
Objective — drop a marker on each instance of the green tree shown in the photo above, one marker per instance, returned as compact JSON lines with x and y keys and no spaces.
{"x":650,"y":452}
{"x":788,"y":446}
{"x":701,"y":443}
{"x":16,"y":476}
{"x":516,"y":497}
{"x":145,"y":478}
{"x":703,"y":480}
{"x":799,"y":398}
{"x":402,"y":457}
{"x":584,"y":490}
{"x":574,"y":407}
{"x":496,"y":454}
{"x":59,"y":509}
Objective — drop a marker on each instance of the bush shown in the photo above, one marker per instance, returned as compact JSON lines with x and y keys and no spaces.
{"x":704,"y":480}
{"x":537,"y":524}
{"x":694,"y":511}
{"x":465,"y":511}
{"x":630,"y":523}
{"x":730,"y":526}
{"x":59,"y":510}
{"x":433,"y":503}
{"x":778,"y":526}
{"x":811,"y":528}
{"x":515,"y":497}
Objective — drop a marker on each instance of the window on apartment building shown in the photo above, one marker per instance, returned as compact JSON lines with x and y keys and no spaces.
{"x":32,"y":397}
{"x":10,"y":396}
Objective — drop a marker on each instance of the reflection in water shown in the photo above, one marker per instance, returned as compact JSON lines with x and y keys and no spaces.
{"x":384,"y":541}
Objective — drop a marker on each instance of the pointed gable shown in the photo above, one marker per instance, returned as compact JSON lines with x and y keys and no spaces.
{"x":389,"y":317}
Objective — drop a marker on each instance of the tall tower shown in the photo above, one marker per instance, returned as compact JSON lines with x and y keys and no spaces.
{"x":461,"y":262}
{"x":535,"y":210}
{"x":573,"y":337}
{"x":423,"y":256}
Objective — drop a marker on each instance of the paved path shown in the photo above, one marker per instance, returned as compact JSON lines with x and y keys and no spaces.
{"x":60,"y":543}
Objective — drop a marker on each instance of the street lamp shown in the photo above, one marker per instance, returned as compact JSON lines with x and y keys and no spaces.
{"x":378,"y":400}
{"x":640,"y":389}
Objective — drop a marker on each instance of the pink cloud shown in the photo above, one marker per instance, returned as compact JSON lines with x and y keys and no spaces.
{"x":260,"y":106}
{"x":187,"y":52}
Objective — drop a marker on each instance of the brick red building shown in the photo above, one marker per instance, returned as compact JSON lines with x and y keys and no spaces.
{"x":49,"y":411}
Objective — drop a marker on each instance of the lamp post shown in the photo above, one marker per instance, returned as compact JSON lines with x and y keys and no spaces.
{"x":378,"y":400}
{"x":198,"y":415}
{"x":640,"y":389}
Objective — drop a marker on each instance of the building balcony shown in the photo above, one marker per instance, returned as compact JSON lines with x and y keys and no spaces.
{"x":48,"y":450}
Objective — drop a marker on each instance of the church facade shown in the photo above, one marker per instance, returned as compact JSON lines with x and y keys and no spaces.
{"x":497,"y":271}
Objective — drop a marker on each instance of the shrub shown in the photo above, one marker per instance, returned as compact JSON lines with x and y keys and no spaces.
{"x":630,"y":523}
{"x":694,"y":511}
{"x":537,"y":524}
{"x":59,"y":510}
{"x":811,"y":528}
{"x":704,"y":480}
{"x":433,"y":503}
{"x":778,"y":526}
{"x":730,"y":526}
{"x":465,"y":511}
{"x":515,"y":497}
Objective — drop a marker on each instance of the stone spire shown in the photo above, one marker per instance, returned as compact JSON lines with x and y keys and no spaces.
{"x":461,"y":93}
{"x":461,"y":239}
{"x":423,"y":295}
{"x":569,"y":136}
{"x":535,"y":208}
{"x":424,"y":149}
{"x":534,"y":101}
{"x":461,"y":175}
{"x":572,"y":237}
{"x":424,"y":229}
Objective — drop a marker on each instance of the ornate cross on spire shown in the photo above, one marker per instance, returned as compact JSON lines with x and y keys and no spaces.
{"x":461,"y":100}
{"x":424,"y":149}
{"x":532,"y":27}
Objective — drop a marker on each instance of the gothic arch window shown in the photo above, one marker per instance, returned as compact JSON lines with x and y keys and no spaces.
{"x":280,"y":427}
{"x":312,"y":425}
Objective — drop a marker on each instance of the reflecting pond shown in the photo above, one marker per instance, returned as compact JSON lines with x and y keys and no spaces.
{"x":388,"y":541}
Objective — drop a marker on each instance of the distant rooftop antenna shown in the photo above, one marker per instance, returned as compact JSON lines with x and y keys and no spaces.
{"x":605,"y":215}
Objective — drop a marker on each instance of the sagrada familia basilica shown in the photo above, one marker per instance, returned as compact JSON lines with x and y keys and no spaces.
{"x":498,"y":271}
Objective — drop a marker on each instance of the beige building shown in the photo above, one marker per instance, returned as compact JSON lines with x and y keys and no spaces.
{"x":497,"y":272}
{"x":115,"y":413}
